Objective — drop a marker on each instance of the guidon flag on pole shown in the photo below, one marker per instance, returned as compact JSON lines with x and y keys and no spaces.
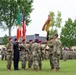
{"x":18,"y":35}
{"x":24,"y":27}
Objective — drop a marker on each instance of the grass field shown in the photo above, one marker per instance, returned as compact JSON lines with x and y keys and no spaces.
{"x":67,"y":68}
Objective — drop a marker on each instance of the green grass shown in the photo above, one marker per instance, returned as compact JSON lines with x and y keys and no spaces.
{"x":67,"y":68}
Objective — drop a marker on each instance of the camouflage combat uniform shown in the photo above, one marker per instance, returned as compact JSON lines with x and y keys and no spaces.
{"x":9,"y":49}
{"x":46,"y":52}
{"x":30,"y":58}
{"x":40,"y":56}
{"x":51,"y":55}
{"x":2,"y":54}
{"x":23,"y":55}
{"x":35,"y":53}
{"x":56,"y":53}
{"x":5,"y":55}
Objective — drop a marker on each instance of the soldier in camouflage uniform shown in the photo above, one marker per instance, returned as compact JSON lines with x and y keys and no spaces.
{"x":23,"y":54}
{"x":30,"y":58}
{"x":56,"y":52}
{"x":40,"y":55}
{"x":5,"y":54}
{"x":50,"y":53}
{"x":2,"y":54}
{"x":9,"y":48}
{"x":46,"y":51}
{"x":35,"y":53}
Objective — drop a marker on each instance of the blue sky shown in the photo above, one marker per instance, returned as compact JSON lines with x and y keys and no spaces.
{"x":40,"y":12}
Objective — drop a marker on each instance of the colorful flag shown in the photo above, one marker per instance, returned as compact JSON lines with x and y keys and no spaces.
{"x":46,"y":27}
{"x":19,"y":19}
{"x":47,"y":24}
{"x":18,"y":34}
{"x":24,"y":28}
{"x":19,"y":25}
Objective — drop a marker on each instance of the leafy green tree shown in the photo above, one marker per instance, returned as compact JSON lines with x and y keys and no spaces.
{"x":56,"y":21}
{"x":52,"y":16}
{"x":68,"y":34}
{"x":9,"y":10}
{"x":52,"y":32}
{"x":5,"y":40}
{"x":73,"y":34}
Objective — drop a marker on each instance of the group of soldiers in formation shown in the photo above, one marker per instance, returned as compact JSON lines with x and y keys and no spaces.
{"x":68,"y":54}
{"x":33,"y":51}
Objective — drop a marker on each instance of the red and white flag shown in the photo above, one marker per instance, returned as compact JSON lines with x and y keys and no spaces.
{"x":23,"y":28}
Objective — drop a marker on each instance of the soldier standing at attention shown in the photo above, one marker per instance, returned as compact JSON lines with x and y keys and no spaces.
{"x":50,"y":53}
{"x":35,"y":54}
{"x":30,"y":58}
{"x":9,"y":48}
{"x":56,"y":52}
{"x":40,"y":55}
{"x":2,"y":54}
{"x":16,"y":54}
{"x":23,"y":54}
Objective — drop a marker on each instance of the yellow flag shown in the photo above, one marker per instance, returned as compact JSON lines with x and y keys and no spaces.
{"x":47,"y":26}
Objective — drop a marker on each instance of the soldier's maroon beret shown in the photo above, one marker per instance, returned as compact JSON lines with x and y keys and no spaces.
{"x":23,"y":40}
{"x":56,"y":35}
{"x":40,"y":41}
{"x":10,"y":39}
{"x":36,"y":40}
{"x":30,"y":40}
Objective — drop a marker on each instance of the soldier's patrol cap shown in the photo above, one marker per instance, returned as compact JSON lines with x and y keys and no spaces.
{"x":10,"y":39}
{"x":30,"y":40}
